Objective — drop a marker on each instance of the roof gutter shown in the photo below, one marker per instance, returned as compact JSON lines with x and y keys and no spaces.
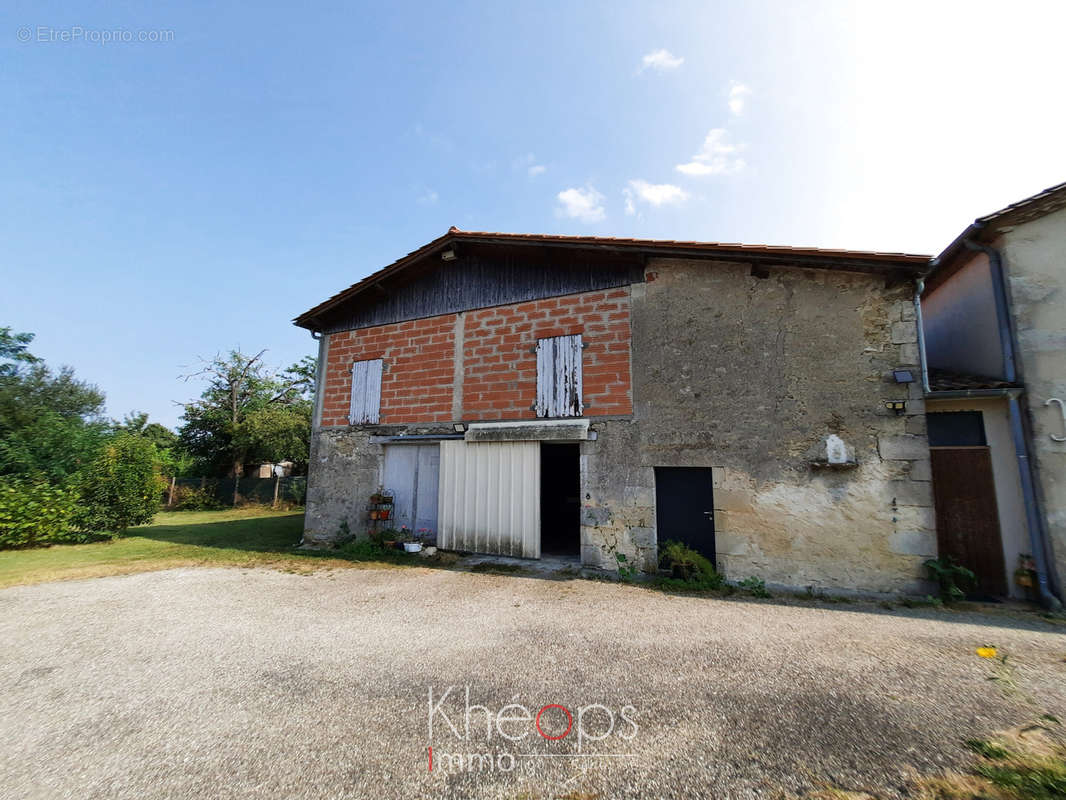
{"x":1033,"y":515}
{"x":919,"y":287}
{"x":946,"y":394}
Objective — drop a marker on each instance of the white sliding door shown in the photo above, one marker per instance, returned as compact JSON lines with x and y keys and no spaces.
{"x":490,"y":497}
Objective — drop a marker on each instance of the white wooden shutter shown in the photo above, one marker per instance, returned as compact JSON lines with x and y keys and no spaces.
{"x":559,"y":377}
{"x":366,"y":392}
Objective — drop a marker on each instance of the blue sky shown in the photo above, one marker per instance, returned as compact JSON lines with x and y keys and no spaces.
{"x":164,"y":200}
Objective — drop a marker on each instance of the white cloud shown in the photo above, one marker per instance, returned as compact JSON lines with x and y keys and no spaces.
{"x":528,"y":162}
{"x":738,"y":97}
{"x":654,"y":194}
{"x":718,"y":156}
{"x":585,"y":204}
{"x":661,"y":61}
{"x":428,"y":198}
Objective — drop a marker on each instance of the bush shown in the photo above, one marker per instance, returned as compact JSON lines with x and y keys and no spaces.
{"x":121,"y":487}
{"x":754,"y":586}
{"x":688,"y":568}
{"x":34,"y":513}
{"x":188,"y":498}
{"x":367,"y":550}
{"x":298,"y":490}
{"x":948,"y":574}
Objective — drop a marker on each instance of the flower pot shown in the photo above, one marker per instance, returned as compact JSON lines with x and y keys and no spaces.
{"x":384,"y":513}
{"x":412,"y":547}
{"x":374,"y":514}
{"x":1023,"y":578}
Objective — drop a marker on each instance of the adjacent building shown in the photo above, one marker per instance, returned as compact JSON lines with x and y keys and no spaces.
{"x":594,"y":397}
{"x":995,"y":338}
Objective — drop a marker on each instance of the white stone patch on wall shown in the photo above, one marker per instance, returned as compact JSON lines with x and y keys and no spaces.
{"x":836,"y":452}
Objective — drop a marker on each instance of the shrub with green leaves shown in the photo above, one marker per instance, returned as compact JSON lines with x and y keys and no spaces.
{"x":948,"y":574}
{"x":121,"y":487}
{"x":34,"y":513}
{"x":754,"y":586}
{"x":687,"y":567}
{"x":190,"y":498}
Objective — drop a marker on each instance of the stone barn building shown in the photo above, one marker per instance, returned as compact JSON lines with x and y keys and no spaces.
{"x":584,"y":396}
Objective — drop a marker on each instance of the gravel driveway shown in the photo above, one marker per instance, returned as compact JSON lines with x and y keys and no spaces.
{"x":221,"y":683}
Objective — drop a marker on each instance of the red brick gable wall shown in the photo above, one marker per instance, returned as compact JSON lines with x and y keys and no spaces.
{"x":416,"y":385}
{"x":499,"y":366}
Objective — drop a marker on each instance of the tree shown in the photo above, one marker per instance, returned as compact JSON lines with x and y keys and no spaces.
{"x":62,"y":462}
{"x":173,"y":458}
{"x":14,"y":349}
{"x":249,"y":412}
{"x":51,"y":424}
{"x":121,"y":487}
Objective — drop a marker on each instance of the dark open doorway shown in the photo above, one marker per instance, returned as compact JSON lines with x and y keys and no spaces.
{"x":560,"y":499}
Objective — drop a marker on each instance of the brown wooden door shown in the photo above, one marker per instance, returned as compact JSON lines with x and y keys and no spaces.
{"x":967,"y":518}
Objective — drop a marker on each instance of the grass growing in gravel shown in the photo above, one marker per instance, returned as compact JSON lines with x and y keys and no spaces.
{"x":1021,"y":765}
{"x":1027,"y":763}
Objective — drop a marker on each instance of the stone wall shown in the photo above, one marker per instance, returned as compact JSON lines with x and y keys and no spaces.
{"x":749,"y":375}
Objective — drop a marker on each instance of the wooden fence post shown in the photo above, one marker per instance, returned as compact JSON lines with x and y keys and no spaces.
{"x":277,"y":484}
{"x":170,"y":496}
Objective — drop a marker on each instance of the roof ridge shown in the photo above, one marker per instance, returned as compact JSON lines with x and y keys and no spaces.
{"x":670,"y":247}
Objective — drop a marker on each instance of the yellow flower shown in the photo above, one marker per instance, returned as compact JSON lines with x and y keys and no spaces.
{"x":986,"y":652}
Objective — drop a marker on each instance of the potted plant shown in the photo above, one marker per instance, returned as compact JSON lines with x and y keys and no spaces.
{"x":375,"y":498}
{"x":408,"y":541}
{"x":1023,"y":576}
{"x":384,"y":513}
{"x":389,"y":537}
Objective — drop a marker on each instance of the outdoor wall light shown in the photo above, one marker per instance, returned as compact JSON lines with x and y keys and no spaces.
{"x":459,"y":427}
{"x":899,"y":406}
{"x":447,"y":255}
{"x":903,"y":375}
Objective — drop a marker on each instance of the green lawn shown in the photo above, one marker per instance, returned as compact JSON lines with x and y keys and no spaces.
{"x":238,"y":537}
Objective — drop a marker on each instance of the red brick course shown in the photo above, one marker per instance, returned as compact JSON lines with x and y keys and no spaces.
{"x":416,"y":385}
{"x":499,"y":364}
{"x":500,"y":367}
